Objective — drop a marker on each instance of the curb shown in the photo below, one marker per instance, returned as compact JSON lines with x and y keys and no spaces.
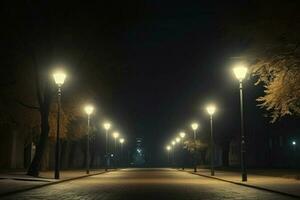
{"x":246,"y":185}
{"x":51,"y":183}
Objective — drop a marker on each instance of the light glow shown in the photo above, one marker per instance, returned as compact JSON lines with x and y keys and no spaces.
{"x":194,"y":126}
{"x":122,"y":140}
{"x":116,"y":135}
{"x":168,"y":148}
{"x":182,"y":134}
{"x":106,"y":125}
{"x":177,"y":139}
{"x":211,"y":109}
{"x":173,"y":142}
{"x":240,"y":72}
{"x":89,"y":109}
{"x":59,"y":78}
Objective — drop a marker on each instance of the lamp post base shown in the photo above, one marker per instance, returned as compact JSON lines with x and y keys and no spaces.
{"x":244,"y":177}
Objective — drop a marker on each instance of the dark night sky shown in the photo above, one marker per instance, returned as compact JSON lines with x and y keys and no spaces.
{"x":164,"y":61}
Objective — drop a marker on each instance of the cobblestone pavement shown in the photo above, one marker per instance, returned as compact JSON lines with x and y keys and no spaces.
{"x":143,"y":184}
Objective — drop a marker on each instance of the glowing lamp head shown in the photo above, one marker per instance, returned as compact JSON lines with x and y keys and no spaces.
{"x":294,"y":143}
{"x":89,"y":109}
{"x":106,"y":125}
{"x":240,"y":72}
{"x":59,"y":78}
{"x":173,"y":142}
{"x":211,"y":109}
{"x":194,"y":126}
{"x":116,"y":135}
{"x":177,"y":139}
{"x":168,"y":148}
{"x":122,"y":140}
{"x":182,"y":134}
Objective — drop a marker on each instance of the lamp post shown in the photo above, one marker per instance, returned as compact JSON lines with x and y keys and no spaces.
{"x":106,"y":126}
{"x":211,"y":110}
{"x":294,"y":143}
{"x":116,"y":136}
{"x":59,"y":78}
{"x":89,"y":109}
{"x":122,"y":140}
{"x":240,"y":72}
{"x":177,"y":140}
{"x":168,"y":148}
{"x":195,"y":127}
{"x":182,"y":135}
{"x":173,"y":144}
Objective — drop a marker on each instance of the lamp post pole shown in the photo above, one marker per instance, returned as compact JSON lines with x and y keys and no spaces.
{"x":121,"y":156}
{"x":57,"y":146}
{"x":89,"y":110}
{"x":115,"y":136}
{"x":243,"y":143}
{"x":106,"y":142}
{"x":195,"y":152}
{"x":195,"y":127}
{"x":240,"y":72}
{"x":106,"y":126}
{"x":182,"y":135}
{"x":59,"y":78}
{"x":173,"y":151}
{"x":106,"y":149}
{"x":122,"y":140}
{"x":88,"y":147}
{"x":212,"y":159}
{"x":115,"y":146}
{"x":211,"y":110}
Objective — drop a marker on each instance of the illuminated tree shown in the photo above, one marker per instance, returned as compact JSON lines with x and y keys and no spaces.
{"x":280,"y":75}
{"x":270,"y":38}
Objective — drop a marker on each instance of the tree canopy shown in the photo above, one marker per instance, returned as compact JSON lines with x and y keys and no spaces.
{"x":270,"y":39}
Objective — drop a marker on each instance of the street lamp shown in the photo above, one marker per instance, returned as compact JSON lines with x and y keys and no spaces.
{"x":59,"y":78}
{"x":294,"y":143}
{"x":211,"y":110}
{"x":106,"y":126}
{"x":182,"y":134}
{"x":168,"y":148}
{"x":122,"y":140}
{"x":177,"y":140}
{"x":194,"y":127}
{"x":116,"y":136}
{"x":240,"y":72}
{"x":89,"y":109}
{"x":173,"y":144}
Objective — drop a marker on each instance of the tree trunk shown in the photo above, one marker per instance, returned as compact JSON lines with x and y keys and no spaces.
{"x":36,"y":163}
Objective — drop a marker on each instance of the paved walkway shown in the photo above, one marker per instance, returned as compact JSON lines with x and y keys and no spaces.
{"x":276,"y":184}
{"x":19,"y":181}
{"x":146,"y":184}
